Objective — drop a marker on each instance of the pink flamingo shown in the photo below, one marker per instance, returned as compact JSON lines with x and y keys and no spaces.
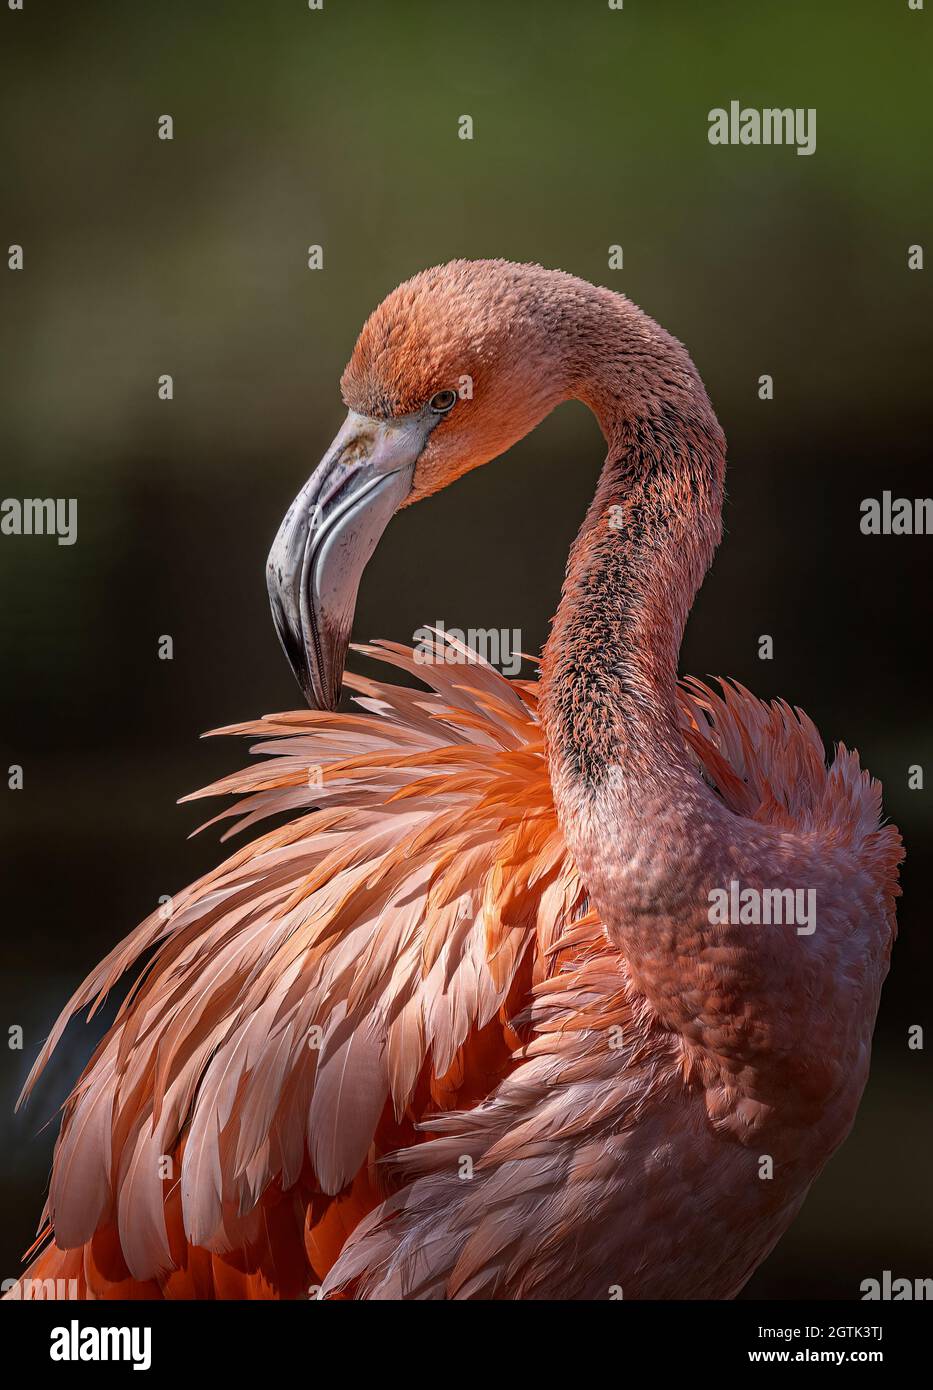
{"x":468,"y":1027}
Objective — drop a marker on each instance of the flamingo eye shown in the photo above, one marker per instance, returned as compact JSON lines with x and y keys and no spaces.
{"x":442,"y":401}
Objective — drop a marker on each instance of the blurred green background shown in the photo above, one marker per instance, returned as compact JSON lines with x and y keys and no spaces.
{"x":340,"y":127}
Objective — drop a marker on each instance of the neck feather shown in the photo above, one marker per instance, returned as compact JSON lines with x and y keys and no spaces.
{"x":610,"y":666}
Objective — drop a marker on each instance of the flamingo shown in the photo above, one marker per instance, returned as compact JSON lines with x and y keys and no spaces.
{"x":465,"y":1025}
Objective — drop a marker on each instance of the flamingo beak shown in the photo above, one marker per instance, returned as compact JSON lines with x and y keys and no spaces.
{"x":328,"y":535}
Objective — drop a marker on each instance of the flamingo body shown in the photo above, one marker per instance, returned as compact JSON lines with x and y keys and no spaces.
{"x":462,"y":1027}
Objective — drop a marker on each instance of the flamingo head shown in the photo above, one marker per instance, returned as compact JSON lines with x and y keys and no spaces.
{"x":450,"y":370}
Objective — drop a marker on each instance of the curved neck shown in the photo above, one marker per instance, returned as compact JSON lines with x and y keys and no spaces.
{"x":609,"y":672}
{"x":643,"y":827}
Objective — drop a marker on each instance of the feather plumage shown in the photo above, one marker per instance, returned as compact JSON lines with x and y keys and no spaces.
{"x":408,"y":969}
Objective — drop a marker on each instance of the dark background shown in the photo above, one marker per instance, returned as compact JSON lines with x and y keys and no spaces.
{"x":340,"y":128}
